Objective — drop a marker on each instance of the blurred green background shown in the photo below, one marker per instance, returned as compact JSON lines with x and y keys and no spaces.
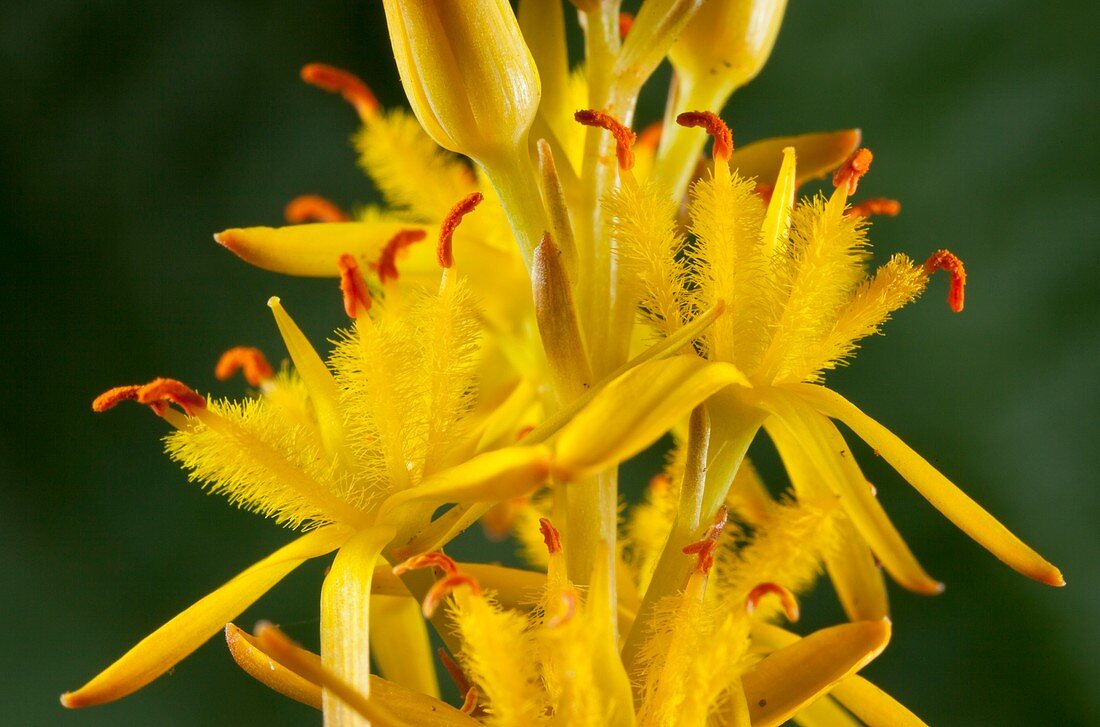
{"x":132,"y":131}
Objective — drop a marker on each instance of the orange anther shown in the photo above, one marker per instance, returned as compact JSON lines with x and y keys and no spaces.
{"x":524,"y":431}
{"x":875,"y":206}
{"x":659,"y":484}
{"x":353,"y":286}
{"x":704,"y":549}
{"x":550,"y":536}
{"x":713,"y":124}
{"x":626,"y":22}
{"x":786,"y":598}
{"x":443,"y":587}
{"x":110,"y":399}
{"x":348,"y":85}
{"x":387,"y":261}
{"x":853,"y":169}
{"x":945,"y":260}
{"x":624,"y":136}
{"x":170,"y":391}
{"x":465,"y":206}
{"x":249,"y":360}
{"x":469,"y":703}
{"x":427,"y":560}
{"x":311,"y":208}
{"x":568,"y":598}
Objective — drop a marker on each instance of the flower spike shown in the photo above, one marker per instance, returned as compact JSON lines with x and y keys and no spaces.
{"x":945,"y":260}
{"x":853,"y":170}
{"x":247,"y":359}
{"x":387,"y":260}
{"x":336,"y":80}
{"x":447,"y":229}
{"x":875,"y":206}
{"x":713,"y":124}
{"x":786,"y":598}
{"x":624,"y":135}
{"x":354,"y":287}
{"x":312,"y":208}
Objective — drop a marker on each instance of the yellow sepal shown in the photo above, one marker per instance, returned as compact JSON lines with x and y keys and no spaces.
{"x":171,"y":643}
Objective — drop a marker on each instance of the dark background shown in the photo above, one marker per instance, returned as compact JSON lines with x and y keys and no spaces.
{"x":132,"y":131}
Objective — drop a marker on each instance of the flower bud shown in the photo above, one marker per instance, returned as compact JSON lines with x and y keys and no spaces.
{"x":467,"y":72}
{"x":727,"y":42}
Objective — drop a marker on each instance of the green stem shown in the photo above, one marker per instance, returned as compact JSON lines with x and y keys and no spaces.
{"x":513,"y":177}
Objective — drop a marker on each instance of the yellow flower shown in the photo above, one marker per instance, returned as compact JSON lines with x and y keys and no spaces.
{"x":503,"y":373}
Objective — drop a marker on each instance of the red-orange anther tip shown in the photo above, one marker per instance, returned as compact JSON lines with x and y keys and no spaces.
{"x":250,"y":361}
{"x":353,"y":286}
{"x":312,"y":208}
{"x":387,"y":260}
{"x":713,"y":124}
{"x":112,"y":397}
{"x":626,"y":22}
{"x":453,"y":670}
{"x":624,"y":136}
{"x":336,"y":80}
{"x":443,"y":587}
{"x":660,"y":483}
{"x":945,"y":260}
{"x":170,"y":391}
{"x":550,"y":536}
{"x":463,"y":207}
{"x":426,"y":560}
{"x":875,"y":206}
{"x":704,"y":549}
{"x":852,"y":170}
{"x":524,"y":431}
{"x":786,"y":598}
{"x":469,"y":703}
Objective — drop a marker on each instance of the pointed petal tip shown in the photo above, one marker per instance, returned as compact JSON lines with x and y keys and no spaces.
{"x":70,"y":700}
{"x":229,"y":239}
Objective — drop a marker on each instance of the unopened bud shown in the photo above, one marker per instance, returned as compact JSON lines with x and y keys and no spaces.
{"x":469,"y":76}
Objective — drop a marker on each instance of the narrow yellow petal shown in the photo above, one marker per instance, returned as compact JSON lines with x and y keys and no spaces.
{"x":861,"y":697}
{"x":825,"y":712}
{"x":818,"y":154}
{"x":175,"y":640}
{"x":345,"y":620}
{"x":777,"y":221}
{"x":852,"y":569}
{"x":872,"y":705}
{"x":311,"y":250}
{"x":796,"y":675}
{"x":970,"y":517}
{"x":832,"y":459}
{"x":316,"y":377}
{"x":637,"y":408}
{"x":269,"y":672}
{"x":493,"y":476}
{"x":399,"y":643}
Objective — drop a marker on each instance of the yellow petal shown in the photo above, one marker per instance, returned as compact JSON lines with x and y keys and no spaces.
{"x":796,"y":675}
{"x":832,"y":459}
{"x":818,"y":154}
{"x":399,"y":643}
{"x":970,"y":517}
{"x":165,"y":647}
{"x":493,"y":476}
{"x":777,"y":221}
{"x":312,"y":250}
{"x":852,"y":569}
{"x":637,"y":408}
{"x":269,"y":672}
{"x":345,"y":621}
{"x":825,"y":712}
{"x":872,"y":705}
{"x":861,"y":697}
